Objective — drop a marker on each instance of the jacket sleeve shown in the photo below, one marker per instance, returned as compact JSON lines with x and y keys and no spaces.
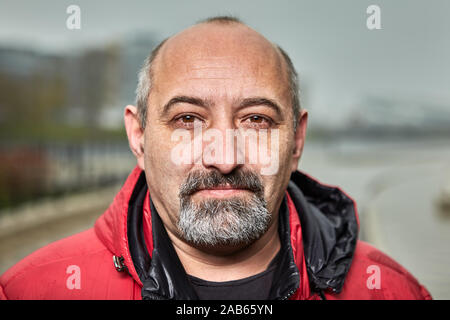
{"x":2,"y":294}
{"x":394,"y":281}
{"x":425,"y":293}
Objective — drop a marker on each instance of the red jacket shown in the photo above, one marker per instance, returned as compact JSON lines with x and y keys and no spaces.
{"x":127,"y":255}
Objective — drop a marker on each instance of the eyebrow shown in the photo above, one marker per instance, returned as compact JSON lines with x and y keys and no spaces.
{"x":259,"y":101}
{"x":186,"y":99}
{"x":247,"y":102}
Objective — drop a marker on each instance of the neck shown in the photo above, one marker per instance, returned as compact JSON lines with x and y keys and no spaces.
{"x":226,"y":264}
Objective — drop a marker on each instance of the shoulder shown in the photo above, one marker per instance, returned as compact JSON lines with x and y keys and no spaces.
{"x":46,"y":273}
{"x":375,"y":275}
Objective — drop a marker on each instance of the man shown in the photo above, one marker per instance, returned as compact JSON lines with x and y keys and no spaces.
{"x":216,"y":208}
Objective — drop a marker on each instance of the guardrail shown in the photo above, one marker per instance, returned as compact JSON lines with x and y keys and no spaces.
{"x":33,"y":171}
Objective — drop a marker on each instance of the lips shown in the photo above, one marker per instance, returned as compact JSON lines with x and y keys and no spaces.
{"x":217,"y":185}
{"x":224,"y":187}
{"x":221,"y":191}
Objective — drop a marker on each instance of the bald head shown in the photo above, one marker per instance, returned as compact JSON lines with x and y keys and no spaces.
{"x":222,"y":49}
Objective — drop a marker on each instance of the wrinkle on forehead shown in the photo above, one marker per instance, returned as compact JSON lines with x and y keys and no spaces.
{"x":224,"y":68}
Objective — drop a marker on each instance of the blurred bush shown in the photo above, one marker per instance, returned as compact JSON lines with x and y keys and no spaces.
{"x":23,"y":173}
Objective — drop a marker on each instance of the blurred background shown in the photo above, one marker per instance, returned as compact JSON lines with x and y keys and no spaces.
{"x":378,"y":102}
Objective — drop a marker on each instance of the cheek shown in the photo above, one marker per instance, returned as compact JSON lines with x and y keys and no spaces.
{"x":286,"y":153}
{"x":163,"y":175}
{"x":278,"y":151}
{"x":155,"y":153}
{"x":276,"y":184}
{"x":286,"y":145}
{"x":274,"y":190}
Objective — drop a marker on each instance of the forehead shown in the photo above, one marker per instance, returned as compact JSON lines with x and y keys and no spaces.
{"x":224,"y":60}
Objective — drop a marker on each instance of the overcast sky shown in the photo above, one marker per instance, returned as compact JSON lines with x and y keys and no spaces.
{"x":339,"y":60}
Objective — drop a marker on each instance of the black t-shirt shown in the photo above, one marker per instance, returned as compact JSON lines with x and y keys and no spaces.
{"x":256,"y":287}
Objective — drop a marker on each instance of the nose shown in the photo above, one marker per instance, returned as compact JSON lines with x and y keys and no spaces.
{"x":220,"y":151}
{"x":222,"y":168}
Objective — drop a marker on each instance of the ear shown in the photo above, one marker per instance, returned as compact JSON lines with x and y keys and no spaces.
{"x":135,"y":134}
{"x":299,"y":139}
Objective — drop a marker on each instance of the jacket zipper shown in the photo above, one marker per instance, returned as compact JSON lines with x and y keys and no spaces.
{"x":119,"y":264}
{"x":289,"y":294}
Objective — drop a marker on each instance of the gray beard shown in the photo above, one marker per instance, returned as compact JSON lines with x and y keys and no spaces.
{"x":229,"y":222}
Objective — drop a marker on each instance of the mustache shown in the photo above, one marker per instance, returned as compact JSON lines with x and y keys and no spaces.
{"x":240,"y":179}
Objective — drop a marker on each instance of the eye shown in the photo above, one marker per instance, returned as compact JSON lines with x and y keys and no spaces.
{"x":188,"y":121}
{"x":258,"y":121}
